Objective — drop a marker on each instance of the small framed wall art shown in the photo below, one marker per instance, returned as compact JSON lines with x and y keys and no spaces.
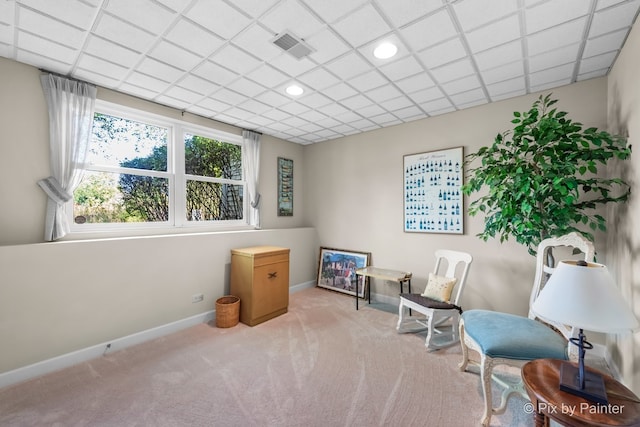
{"x":433,"y":201}
{"x":337,"y":270}
{"x":285,"y":187}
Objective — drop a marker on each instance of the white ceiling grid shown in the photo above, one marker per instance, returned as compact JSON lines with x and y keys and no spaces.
{"x":215,"y":58}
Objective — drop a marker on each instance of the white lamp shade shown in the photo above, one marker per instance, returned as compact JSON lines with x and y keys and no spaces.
{"x":584,"y":297}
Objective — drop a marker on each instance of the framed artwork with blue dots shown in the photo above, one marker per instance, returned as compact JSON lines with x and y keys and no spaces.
{"x":433,"y":200}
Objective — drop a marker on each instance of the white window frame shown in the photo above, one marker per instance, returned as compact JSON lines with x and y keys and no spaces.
{"x":176,"y":129}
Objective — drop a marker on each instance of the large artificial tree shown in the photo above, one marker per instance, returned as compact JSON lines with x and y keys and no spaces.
{"x":543,"y":177}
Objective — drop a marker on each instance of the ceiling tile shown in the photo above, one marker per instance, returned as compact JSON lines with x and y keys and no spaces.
{"x":507,"y":86}
{"x":294,"y":108}
{"x":348,"y":66}
{"x":123,"y":33}
{"x":409,"y":112}
{"x":147,"y":82}
{"x":257,"y":41}
{"x":50,"y":29}
{"x":176,"y":5}
{"x":556,"y":37}
{"x":38,"y":60}
{"x":437,"y":105}
{"x":331,"y":10}
{"x":371,"y":110}
{"x":214,"y":73}
{"x":290,"y":15}
{"x":396,"y":103}
{"x":100,"y":66}
{"x":383,"y":93}
{"x":327,"y":46}
{"x":74,"y":12}
{"x":272,"y":98}
{"x":229,"y":97}
{"x":494,"y":34}
{"x":554,"y":74}
{"x":383,"y":118}
{"x":312,"y":116}
{"x":473,"y":14}
{"x":137,"y":91}
{"x":214,"y":105}
{"x":367,"y":81}
{"x":290,"y":65}
{"x":197,"y":84}
{"x":144,"y":13}
{"x":246,"y":87}
{"x":318,"y":79}
{"x":356,"y":102}
{"x":255,"y":8}
{"x":276,"y":115}
{"x":332,"y":110}
{"x":159,"y":70}
{"x":550,"y":14}
{"x":461,"y":85}
{"x":46,"y":48}
{"x":550,"y":85}
{"x":603,"y":44}
{"x":235,"y":59}
{"x":429,"y":31}
{"x":193,"y":37}
{"x":443,"y":53}
{"x":402,"y":68}
{"x":361,"y":26}
{"x":453,"y":71}
{"x":593,"y":74}
{"x":504,"y":72}
{"x":550,"y":59}
{"x":184,"y":95}
{"x":471,"y":96}
{"x":415,"y":83}
{"x":402,"y":12}
{"x":218,"y":17}
{"x":339,"y":91}
{"x":172,"y":102}
{"x":268,"y":76}
{"x":173,"y":55}
{"x":96,"y":78}
{"x":599,"y":62}
{"x":614,"y":18}
{"x":427,"y":95}
{"x":109,"y":51}
{"x":315,"y":100}
{"x":499,"y":55}
{"x":348,"y":117}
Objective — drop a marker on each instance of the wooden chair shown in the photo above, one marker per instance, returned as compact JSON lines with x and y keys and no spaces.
{"x":441,"y":317}
{"x":506,"y":339}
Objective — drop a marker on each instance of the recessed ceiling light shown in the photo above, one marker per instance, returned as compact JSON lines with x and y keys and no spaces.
{"x":294,"y":90}
{"x":385,"y":50}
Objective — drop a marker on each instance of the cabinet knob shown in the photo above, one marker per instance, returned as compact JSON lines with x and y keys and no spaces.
{"x":273,"y":275}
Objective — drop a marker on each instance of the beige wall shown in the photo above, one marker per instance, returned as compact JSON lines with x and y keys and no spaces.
{"x":624,"y":254}
{"x":56,"y":298}
{"x":353,"y":196}
{"x":24,"y":156}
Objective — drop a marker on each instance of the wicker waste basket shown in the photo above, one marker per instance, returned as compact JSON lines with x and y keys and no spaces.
{"x":227,"y":311}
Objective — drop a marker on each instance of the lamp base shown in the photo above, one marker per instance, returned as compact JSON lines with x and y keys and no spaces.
{"x":593,"y":390}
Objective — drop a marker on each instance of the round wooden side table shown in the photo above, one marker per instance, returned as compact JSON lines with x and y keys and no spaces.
{"x":542,"y":381}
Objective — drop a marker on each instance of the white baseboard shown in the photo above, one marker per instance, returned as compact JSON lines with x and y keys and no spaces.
{"x":66,"y":360}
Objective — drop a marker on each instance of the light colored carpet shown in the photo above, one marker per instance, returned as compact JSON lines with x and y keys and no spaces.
{"x":321,"y":364}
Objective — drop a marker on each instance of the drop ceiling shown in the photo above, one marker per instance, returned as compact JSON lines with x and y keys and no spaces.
{"x":215,"y":58}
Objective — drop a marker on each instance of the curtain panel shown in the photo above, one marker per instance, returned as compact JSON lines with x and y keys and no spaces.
{"x":71,"y":107}
{"x":251,"y":165}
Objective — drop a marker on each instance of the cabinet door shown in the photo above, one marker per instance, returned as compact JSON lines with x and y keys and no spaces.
{"x":270,"y":288}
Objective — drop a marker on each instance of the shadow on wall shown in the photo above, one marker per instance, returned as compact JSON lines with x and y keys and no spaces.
{"x":623,"y":244}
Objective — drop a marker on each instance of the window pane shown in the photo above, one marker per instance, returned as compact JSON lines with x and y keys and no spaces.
{"x":213,"y":201}
{"x":116,"y":198}
{"x":126,"y":143}
{"x":212,"y":158}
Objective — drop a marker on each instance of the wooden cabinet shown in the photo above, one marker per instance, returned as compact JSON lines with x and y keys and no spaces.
{"x":260,"y":277}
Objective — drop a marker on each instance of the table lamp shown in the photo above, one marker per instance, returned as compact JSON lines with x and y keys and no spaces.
{"x":582,"y":294}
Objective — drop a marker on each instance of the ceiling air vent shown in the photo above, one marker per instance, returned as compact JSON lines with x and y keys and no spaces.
{"x":288,"y":42}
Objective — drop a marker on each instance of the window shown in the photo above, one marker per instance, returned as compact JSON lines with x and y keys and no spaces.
{"x":137,"y":175}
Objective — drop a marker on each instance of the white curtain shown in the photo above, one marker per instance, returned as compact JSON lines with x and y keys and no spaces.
{"x":71,"y":106}
{"x":251,"y":165}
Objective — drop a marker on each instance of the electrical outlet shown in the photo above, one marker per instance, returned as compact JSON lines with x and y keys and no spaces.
{"x":197,"y":298}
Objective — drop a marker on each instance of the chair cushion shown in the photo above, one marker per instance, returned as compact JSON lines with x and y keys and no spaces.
{"x":513,"y":337}
{"x":439,"y":287}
